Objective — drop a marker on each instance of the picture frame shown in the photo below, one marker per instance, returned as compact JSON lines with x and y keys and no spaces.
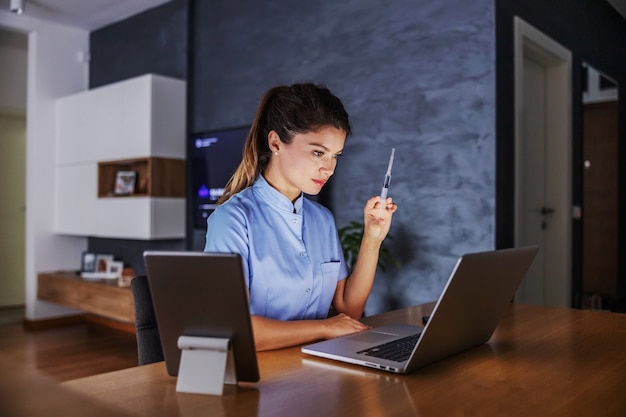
{"x":125,"y":182}
{"x":102,"y":263}
{"x":116,"y":267}
{"x":88,"y":262}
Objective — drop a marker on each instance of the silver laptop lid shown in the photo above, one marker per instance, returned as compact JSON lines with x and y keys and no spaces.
{"x":469,"y":309}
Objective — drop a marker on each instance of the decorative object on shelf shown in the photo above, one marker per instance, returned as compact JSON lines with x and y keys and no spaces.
{"x":99,"y":266}
{"x":88,"y":262}
{"x":103,"y":262}
{"x":116,"y":267}
{"x":127,"y":275}
{"x":125,"y":182}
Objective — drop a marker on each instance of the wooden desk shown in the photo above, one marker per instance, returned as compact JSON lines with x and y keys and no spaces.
{"x":25,"y":392}
{"x":541,"y":361}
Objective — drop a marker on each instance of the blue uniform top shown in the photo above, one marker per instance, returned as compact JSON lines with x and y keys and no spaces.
{"x":291,"y":253}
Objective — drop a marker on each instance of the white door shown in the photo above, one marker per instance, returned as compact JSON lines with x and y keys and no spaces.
{"x":543,"y":164}
{"x":532,"y":186}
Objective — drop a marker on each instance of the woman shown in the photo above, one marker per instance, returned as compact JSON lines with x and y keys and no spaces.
{"x":293,"y":262}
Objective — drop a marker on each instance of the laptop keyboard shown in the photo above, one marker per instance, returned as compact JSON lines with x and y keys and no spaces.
{"x":398,"y":350}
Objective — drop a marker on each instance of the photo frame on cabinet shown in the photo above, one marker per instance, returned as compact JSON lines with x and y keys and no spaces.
{"x":115,"y":267}
{"x":103,"y":262}
{"x":88,"y":262}
{"x":125,"y":182}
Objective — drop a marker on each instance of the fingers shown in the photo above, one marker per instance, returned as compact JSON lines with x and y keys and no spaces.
{"x":389,"y":204}
{"x":373,"y":202}
{"x":343,"y":324}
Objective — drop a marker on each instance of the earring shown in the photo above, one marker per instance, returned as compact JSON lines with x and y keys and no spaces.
{"x":276,"y":153}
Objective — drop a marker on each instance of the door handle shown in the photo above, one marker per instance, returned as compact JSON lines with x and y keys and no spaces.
{"x":546,"y":210}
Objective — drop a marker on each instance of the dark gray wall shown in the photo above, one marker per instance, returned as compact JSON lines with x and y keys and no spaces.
{"x":417,"y":76}
{"x":151,"y":42}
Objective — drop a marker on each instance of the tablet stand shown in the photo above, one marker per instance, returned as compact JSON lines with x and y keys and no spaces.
{"x":206,"y":364}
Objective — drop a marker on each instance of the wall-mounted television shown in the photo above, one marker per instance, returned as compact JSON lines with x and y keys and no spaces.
{"x":213,"y":157}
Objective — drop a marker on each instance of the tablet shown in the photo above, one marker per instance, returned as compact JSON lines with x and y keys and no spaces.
{"x":202,"y":294}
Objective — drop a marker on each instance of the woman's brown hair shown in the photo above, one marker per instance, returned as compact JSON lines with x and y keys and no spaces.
{"x":288,"y":110}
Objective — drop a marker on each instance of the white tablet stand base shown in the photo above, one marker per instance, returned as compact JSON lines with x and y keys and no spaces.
{"x":206,"y":364}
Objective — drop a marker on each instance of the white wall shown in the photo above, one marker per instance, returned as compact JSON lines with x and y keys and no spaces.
{"x":53,"y":71}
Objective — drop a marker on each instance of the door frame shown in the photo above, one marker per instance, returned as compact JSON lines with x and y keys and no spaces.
{"x":557,"y":251}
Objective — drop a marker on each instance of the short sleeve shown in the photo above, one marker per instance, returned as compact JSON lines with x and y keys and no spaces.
{"x":227,"y":232}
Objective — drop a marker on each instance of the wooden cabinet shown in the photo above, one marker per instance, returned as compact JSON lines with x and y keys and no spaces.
{"x":101,"y":297}
{"x":134,"y":125}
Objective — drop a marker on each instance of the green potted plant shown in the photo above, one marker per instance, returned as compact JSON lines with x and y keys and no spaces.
{"x":350,"y":237}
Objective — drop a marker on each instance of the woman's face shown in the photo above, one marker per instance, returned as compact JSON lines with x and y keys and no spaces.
{"x":306,"y":163}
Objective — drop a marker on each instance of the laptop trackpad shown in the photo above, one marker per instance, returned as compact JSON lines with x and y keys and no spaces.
{"x":372,"y":337}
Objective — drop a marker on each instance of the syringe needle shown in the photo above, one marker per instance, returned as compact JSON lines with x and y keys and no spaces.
{"x":385,"y":190}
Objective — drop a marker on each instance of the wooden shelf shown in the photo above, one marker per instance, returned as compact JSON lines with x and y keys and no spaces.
{"x":101,"y":297}
{"x":155,"y":177}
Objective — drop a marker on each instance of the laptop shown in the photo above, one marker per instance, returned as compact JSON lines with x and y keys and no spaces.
{"x":476,"y":295}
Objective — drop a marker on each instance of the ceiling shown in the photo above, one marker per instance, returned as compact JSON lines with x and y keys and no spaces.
{"x":94,"y":14}
{"x":84,"y":14}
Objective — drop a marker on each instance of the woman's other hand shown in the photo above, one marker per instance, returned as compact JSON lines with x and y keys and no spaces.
{"x":341,"y":325}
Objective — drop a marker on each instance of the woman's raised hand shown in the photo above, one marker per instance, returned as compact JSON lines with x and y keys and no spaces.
{"x":376,"y":227}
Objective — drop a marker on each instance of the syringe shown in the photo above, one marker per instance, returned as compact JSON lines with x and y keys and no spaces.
{"x":385,"y":190}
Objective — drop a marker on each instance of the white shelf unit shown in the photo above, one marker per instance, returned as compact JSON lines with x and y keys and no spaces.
{"x":139,"y":118}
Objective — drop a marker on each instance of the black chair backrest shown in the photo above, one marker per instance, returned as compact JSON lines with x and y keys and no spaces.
{"x":149,"y":347}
